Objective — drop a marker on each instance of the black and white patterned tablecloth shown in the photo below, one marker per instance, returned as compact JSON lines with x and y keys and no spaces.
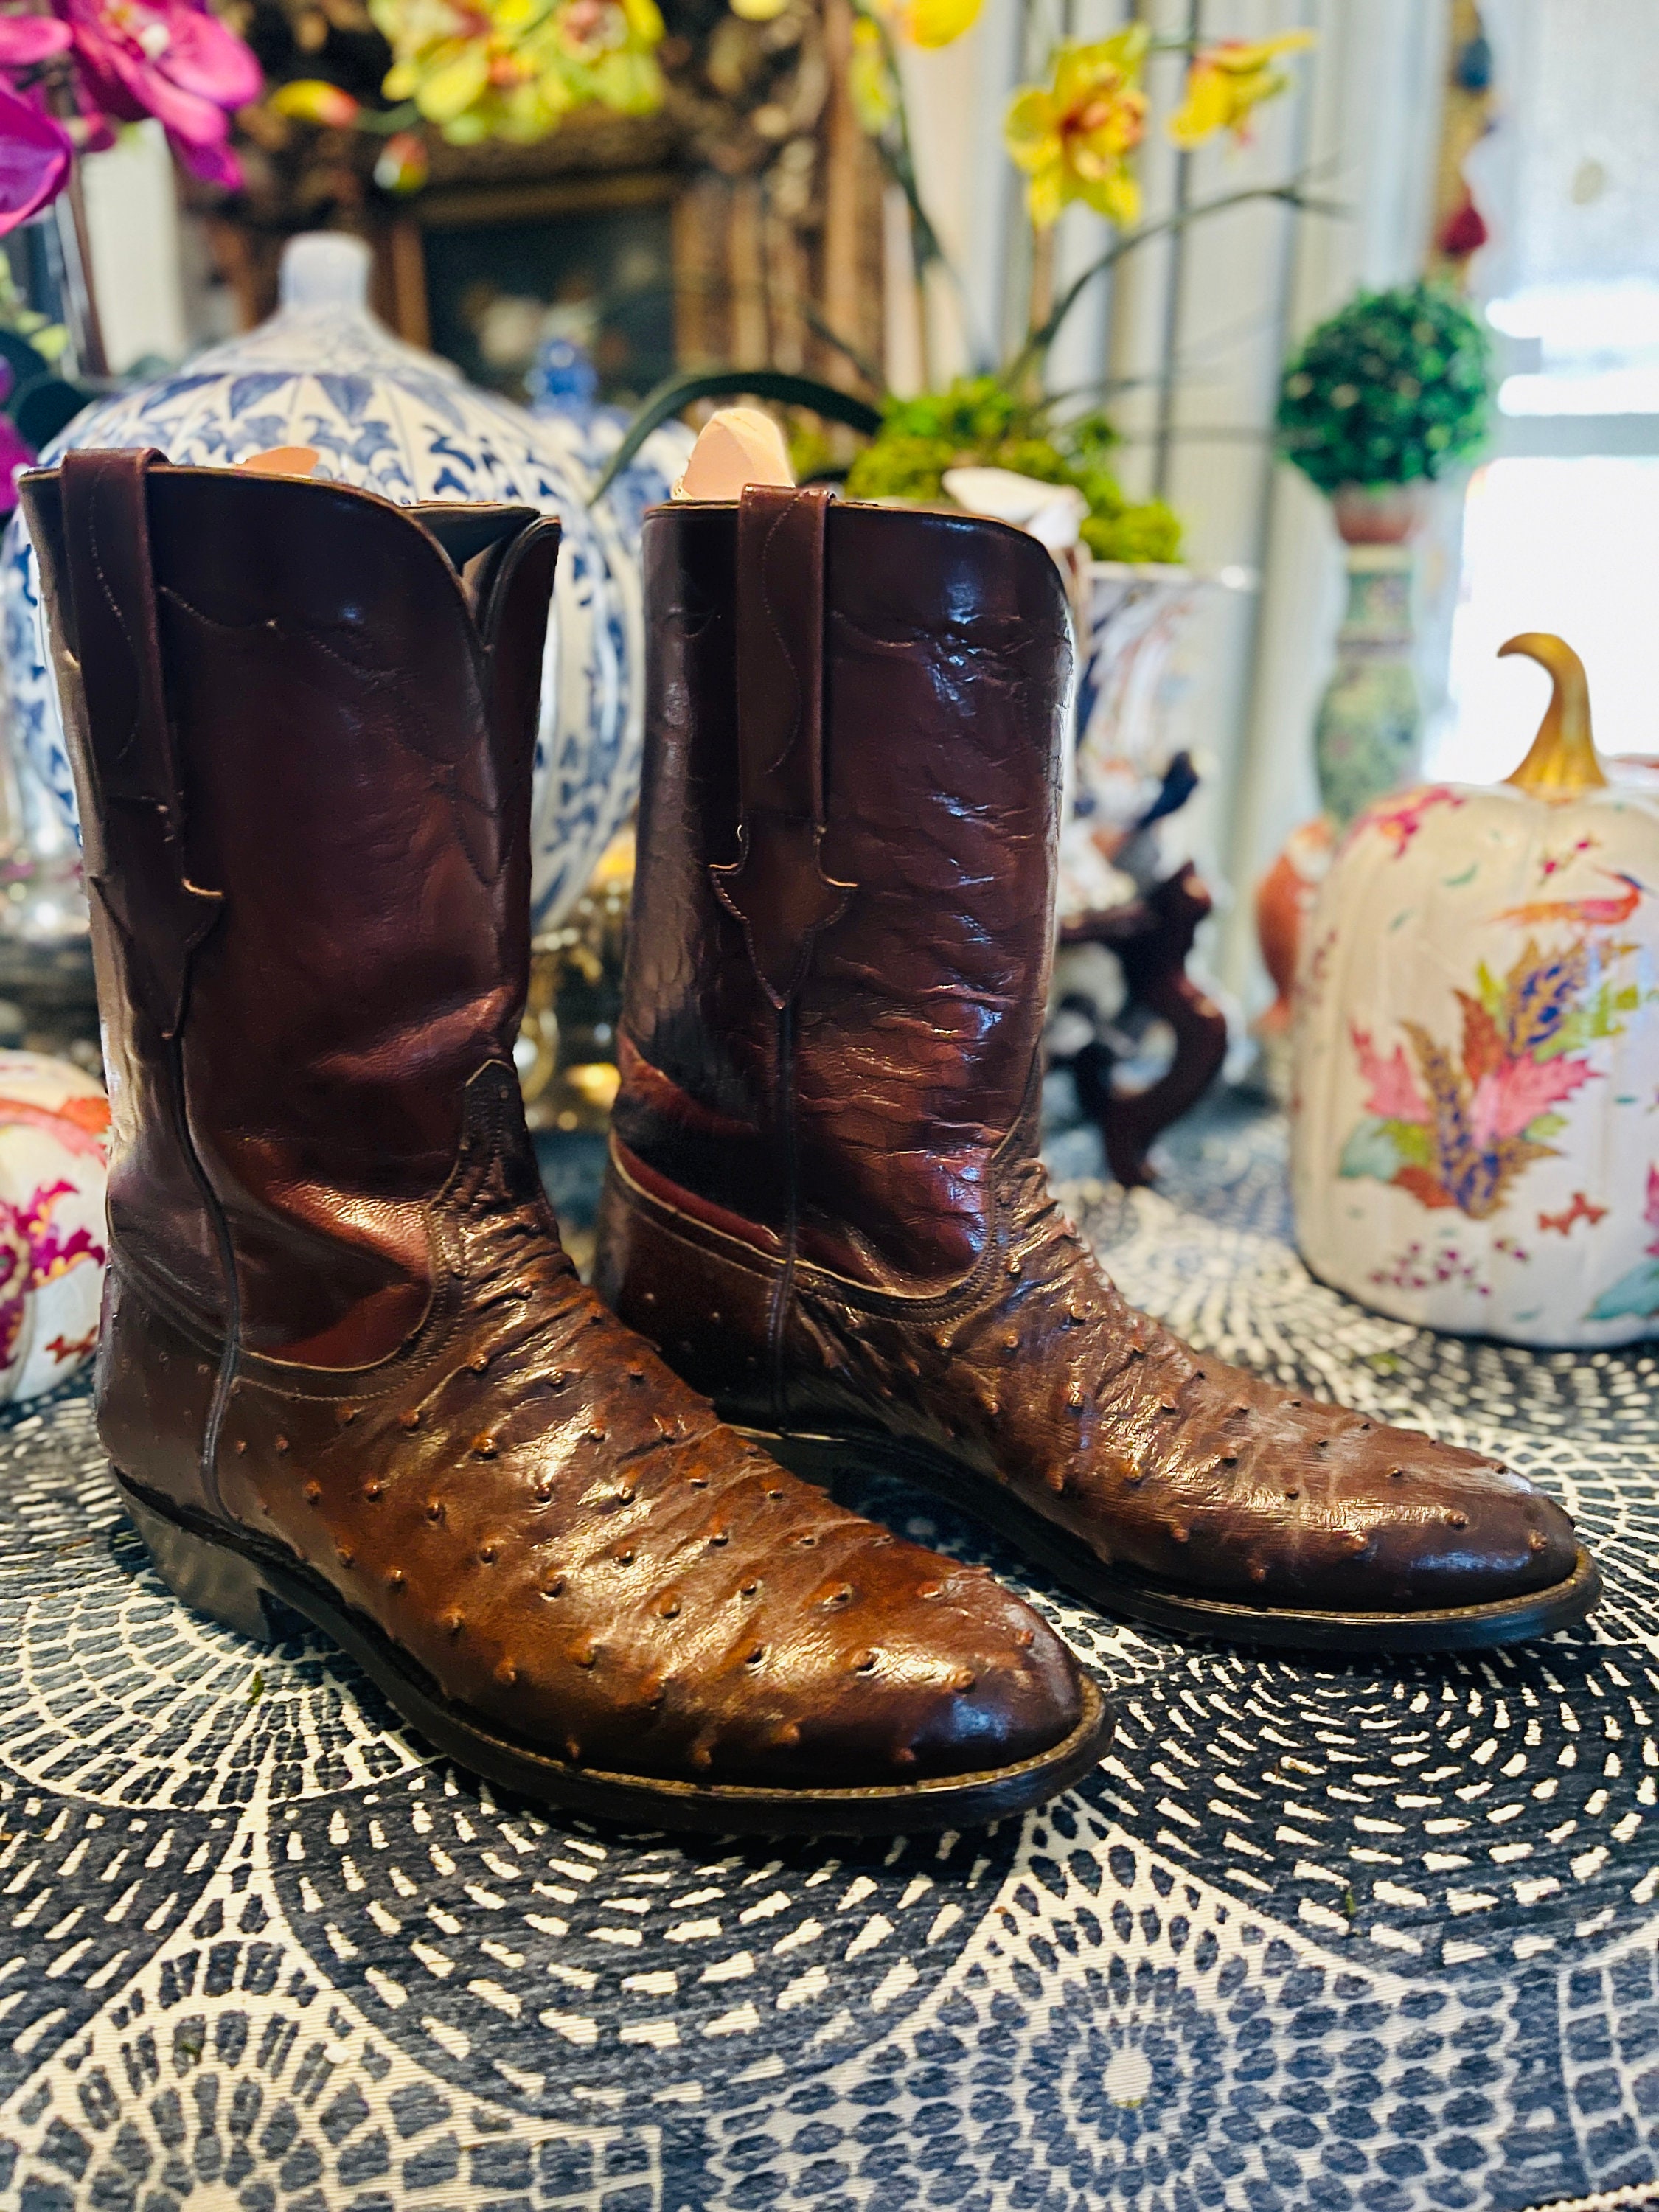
{"x":1316,"y":1936}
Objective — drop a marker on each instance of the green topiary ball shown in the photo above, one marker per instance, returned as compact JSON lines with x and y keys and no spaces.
{"x":1396,"y":386}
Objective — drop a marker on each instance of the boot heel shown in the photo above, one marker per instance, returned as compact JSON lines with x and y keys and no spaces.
{"x":208,"y":1577}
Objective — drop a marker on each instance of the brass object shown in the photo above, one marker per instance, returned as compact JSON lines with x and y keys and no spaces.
{"x":567,"y":1049}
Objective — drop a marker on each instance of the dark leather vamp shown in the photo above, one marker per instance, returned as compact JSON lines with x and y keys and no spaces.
{"x":1168,"y":1460}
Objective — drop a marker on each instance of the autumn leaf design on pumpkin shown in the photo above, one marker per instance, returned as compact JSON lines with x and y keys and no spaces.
{"x":1456,"y":1125}
{"x":1397,"y":821}
{"x":81,"y":1125}
{"x":33,"y":1251}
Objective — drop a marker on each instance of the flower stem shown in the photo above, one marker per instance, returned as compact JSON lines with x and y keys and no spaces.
{"x":387,"y":121}
{"x":1042,"y":335}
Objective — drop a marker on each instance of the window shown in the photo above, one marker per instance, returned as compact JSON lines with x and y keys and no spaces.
{"x":1561,"y":526}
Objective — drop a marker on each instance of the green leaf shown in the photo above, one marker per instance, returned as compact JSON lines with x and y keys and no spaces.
{"x":682,"y":391}
{"x":1413,"y":1141}
{"x":1635,"y":1293}
{"x":1543,"y":1126}
{"x":1489,"y":990}
{"x":1596,"y":1017}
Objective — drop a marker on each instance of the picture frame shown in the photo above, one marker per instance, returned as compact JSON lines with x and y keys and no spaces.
{"x":484,"y":273}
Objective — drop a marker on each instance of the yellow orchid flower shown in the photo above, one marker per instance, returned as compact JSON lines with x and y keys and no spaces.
{"x":308,"y":100}
{"x":936,"y":22}
{"x":1073,"y":138}
{"x":1226,"y":82}
{"x":758,"y":11}
{"x":923,"y":22}
{"x":870,"y":79}
{"x":512,"y":68}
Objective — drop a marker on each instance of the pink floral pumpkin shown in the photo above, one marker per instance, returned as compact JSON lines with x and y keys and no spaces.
{"x":1475,"y":1109}
{"x":54,"y":1122}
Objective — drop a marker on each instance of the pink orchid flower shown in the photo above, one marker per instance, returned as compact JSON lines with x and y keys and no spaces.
{"x":35,"y":149}
{"x":15,"y":452}
{"x":27,"y":40}
{"x":169,"y":58}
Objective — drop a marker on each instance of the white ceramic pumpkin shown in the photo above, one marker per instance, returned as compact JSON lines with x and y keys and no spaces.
{"x":54,"y":1125}
{"x":1475,"y":1113}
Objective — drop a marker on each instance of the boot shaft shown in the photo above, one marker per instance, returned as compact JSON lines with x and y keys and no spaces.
{"x":842,"y":921}
{"x":303,"y":742}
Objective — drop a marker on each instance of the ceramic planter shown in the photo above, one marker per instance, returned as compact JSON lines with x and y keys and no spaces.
{"x":1475,"y":1145}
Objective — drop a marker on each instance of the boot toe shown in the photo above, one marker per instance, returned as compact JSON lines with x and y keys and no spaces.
{"x":897,"y":1666}
{"x":1395,"y":1521}
{"x":1476,"y":1533}
{"x":971,"y":1680}
{"x":956,"y":1678}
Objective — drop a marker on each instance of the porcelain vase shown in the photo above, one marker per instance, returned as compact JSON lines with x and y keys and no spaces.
{"x":1126,"y":776}
{"x":1369,"y":720}
{"x":1369,"y":725}
{"x":323,"y":372}
{"x":563,"y":385}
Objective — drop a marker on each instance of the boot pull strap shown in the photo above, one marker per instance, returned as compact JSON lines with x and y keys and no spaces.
{"x":143,"y":884}
{"x":777,"y":888}
{"x":106,"y":533}
{"x":514,"y":599}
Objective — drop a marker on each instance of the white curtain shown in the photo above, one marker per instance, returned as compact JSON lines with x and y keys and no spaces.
{"x":1246,"y":284}
{"x":1570,"y":177}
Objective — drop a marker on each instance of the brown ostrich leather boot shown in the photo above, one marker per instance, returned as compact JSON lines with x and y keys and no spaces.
{"x":825,"y":1202}
{"x":345,"y":1361}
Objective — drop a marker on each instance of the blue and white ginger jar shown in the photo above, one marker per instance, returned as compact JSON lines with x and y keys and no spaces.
{"x":563,"y":399}
{"x":323,"y":373}
{"x":563,"y":396}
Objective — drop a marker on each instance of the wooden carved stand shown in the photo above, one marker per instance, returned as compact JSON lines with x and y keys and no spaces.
{"x":1152,"y":937}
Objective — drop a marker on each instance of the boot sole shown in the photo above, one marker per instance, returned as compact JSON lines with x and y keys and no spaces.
{"x":232,"y":1576}
{"x":827,"y":1460}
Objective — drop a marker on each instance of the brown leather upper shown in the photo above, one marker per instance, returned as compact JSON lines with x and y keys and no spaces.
{"x":362,"y":738}
{"x":339,"y":1320}
{"x":907,"y":1049}
{"x":829,"y":1210}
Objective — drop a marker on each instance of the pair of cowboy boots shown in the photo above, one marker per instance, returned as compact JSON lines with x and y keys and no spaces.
{"x":345,"y":1362}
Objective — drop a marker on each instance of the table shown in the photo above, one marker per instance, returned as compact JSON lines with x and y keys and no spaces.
{"x":1316,"y":1936}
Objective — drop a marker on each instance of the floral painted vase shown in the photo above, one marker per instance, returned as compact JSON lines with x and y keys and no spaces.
{"x":563,"y":386}
{"x":1125,"y":776}
{"x":323,"y":372}
{"x":53,"y":1121}
{"x":1475,"y":1111}
{"x":1369,"y":720}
